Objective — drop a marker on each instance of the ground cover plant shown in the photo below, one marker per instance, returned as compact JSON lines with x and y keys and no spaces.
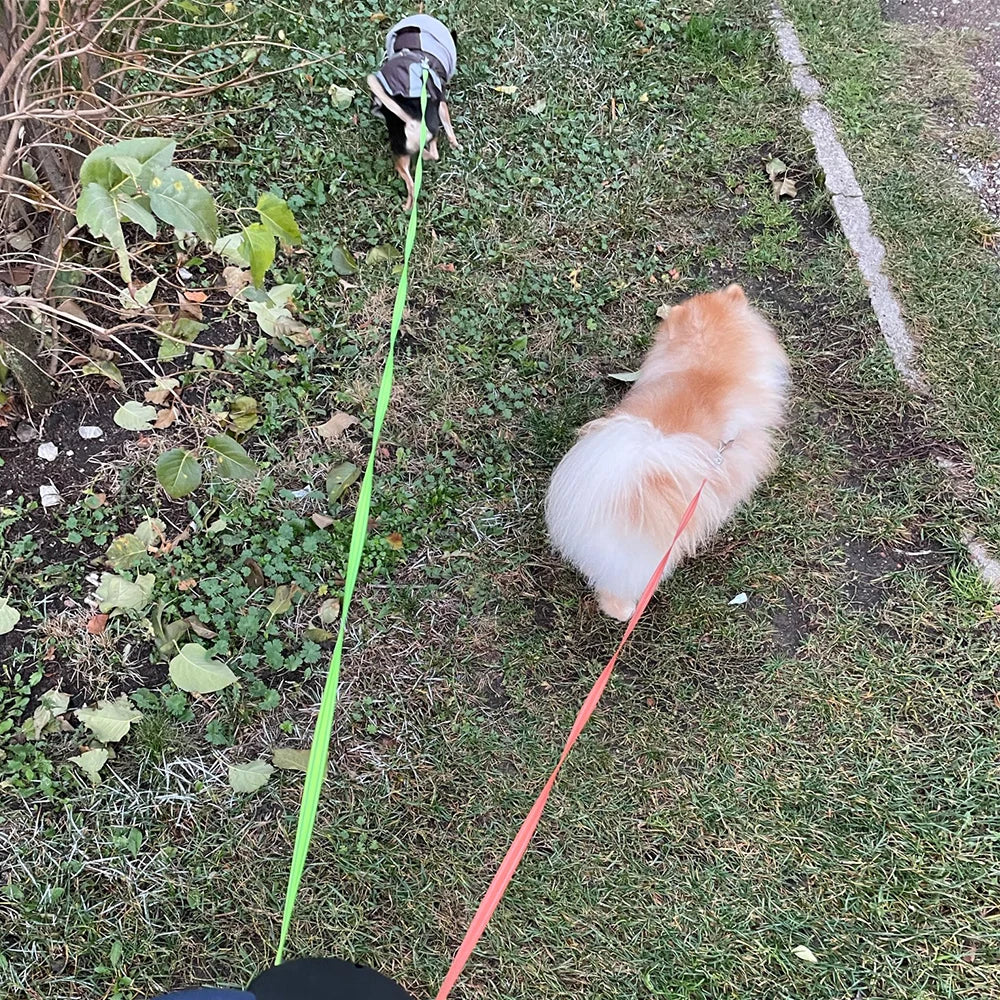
{"x":791,"y":795}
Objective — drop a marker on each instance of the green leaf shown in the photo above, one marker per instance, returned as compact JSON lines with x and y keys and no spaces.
{"x":91,"y":762}
{"x":234,"y":462}
{"x":136,"y":211}
{"x":775,"y":168}
{"x":125,"y":552}
{"x":194,"y":671}
{"x":273,"y":315}
{"x":134,"y":416}
{"x":243,"y":413}
{"x":107,"y":369}
{"x":282,"y":601}
{"x":53,"y":705}
{"x":97,"y":210}
{"x":141,"y":298}
{"x":231,"y":248}
{"x":150,"y":532}
{"x":183,"y":202}
{"x":99,"y":167}
{"x":245,"y":778}
{"x":339,"y":478}
{"x":801,"y":951}
{"x":258,"y":246}
{"x":290,"y":760}
{"x":343,"y":261}
{"x":384,"y":254}
{"x":176,"y":333}
{"x":341,"y":97}
{"x":116,"y":592}
{"x":178,"y":472}
{"x":110,"y":721}
{"x":277,"y":217}
{"x":9,"y":616}
{"x":319,"y":635}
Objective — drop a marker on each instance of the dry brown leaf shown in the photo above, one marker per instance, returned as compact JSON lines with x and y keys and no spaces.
{"x":187,"y":308}
{"x":164,"y":418}
{"x":97,"y":624}
{"x":336,"y":425}
{"x":188,"y":584}
{"x":235,"y":280}
{"x":72,"y":308}
{"x":195,"y":295}
{"x":395,"y":541}
{"x":321,"y":520}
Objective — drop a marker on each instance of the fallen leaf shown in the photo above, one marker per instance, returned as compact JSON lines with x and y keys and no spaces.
{"x":321,"y":520}
{"x":336,"y":425}
{"x":801,"y":951}
{"x":449,"y":267}
{"x":246,"y":778}
{"x":341,"y":97}
{"x":164,"y":418}
{"x":161,"y":391}
{"x":52,"y":705}
{"x":90,"y":433}
{"x":290,"y":760}
{"x":319,"y":635}
{"x":506,"y":88}
{"x":9,"y":616}
{"x":283,"y":597}
{"x":255,"y":575}
{"x":339,"y":479}
{"x":574,"y":279}
{"x":384,"y":254}
{"x":775,"y":168}
{"x":343,"y":261}
{"x":194,"y":671}
{"x":663,"y":311}
{"x":106,"y":369}
{"x":236,"y":279}
{"x":73,"y":309}
{"x":20,"y":241}
{"x":194,"y":295}
{"x":48,"y":452}
{"x":125,"y":552}
{"x":189,"y":584}
{"x":150,"y":532}
{"x":135,"y":416}
{"x":624,"y":376}
{"x":91,"y":762}
{"x":329,"y":611}
{"x":243,"y":413}
{"x":784,"y":187}
{"x":116,"y":592}
{"x":110,"y":721}
{"x":97,"y":624}
{"x":644,"y":98}
{"x":199,"y":627}
{"x":395,"y":541}
{"x":539,"y":106}
{"x":136,"y":301}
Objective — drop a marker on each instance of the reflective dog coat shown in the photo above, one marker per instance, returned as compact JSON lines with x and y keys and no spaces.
{"x":415,"y":42}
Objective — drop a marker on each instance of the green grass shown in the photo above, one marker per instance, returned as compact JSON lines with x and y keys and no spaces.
{"x":816,"y":767}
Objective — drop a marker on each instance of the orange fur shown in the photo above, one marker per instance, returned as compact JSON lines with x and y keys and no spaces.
{"x":709,"y":396}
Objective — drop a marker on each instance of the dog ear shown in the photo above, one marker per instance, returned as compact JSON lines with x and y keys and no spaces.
{"x":735,"y":294}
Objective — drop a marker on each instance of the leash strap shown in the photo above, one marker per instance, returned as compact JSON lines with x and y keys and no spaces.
{"x":516,"y":851}
{"x":320,"y":752}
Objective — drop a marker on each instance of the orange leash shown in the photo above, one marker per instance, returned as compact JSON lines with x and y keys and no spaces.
{"x":516,"y":851}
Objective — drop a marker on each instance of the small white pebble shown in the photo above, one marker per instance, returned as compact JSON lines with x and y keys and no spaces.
{"x":740,"y":599}
{"x":89,"y":433}
{"x":50,"y":496}
{"x":48,"y":451}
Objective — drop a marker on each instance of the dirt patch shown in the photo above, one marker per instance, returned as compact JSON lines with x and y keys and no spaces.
{"x":869,"y":565}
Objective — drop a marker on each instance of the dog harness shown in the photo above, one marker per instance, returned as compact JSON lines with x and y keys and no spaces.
{"x":412,"y":44}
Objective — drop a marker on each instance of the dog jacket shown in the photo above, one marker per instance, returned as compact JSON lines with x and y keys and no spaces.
{"x":412,"y":44}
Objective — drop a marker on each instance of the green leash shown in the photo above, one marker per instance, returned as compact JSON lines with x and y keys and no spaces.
{"x":320,"y":753}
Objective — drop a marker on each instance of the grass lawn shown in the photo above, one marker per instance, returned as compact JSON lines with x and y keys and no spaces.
{"x":816,"y":767}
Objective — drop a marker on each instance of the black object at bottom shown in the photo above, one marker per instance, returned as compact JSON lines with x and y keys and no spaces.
{"x":324,"y":979}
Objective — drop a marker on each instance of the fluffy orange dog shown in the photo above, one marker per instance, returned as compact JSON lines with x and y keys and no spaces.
{"x":709,"y":397}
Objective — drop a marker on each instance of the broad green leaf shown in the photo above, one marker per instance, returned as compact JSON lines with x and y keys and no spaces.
{"x":282,"y":601}
{"x":231,"y":248}
{"x":277,"y":216}
{"x":245,"y":778}
{"x":343,"y":261}
{"x":258,"y":246}
{"x":9,"y":616}
{"x":97,"y":210}
{"x":99,"y":167}
{"x":273,"y":315}
{"x":110,"y":721}
{"x":116,"y":592}
{"x":234,"y":462}
{"x":183,"y":202}
{"x":339,"y":478}
{"x":319,"y":635}
{"x":53,"y":705}
{"x":290,"y":760}
{"x":125,"y":552}
{"x":178,"y":472}
{"x":150,"y":532}
{"x":107,"y":369}
{"x":91,"y":762}
{"x":135,"y":210}
{"x":134,"y":416}
{"x":194,"y":671}
{"x":176,"y":334}
{"x":384,"y":254}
